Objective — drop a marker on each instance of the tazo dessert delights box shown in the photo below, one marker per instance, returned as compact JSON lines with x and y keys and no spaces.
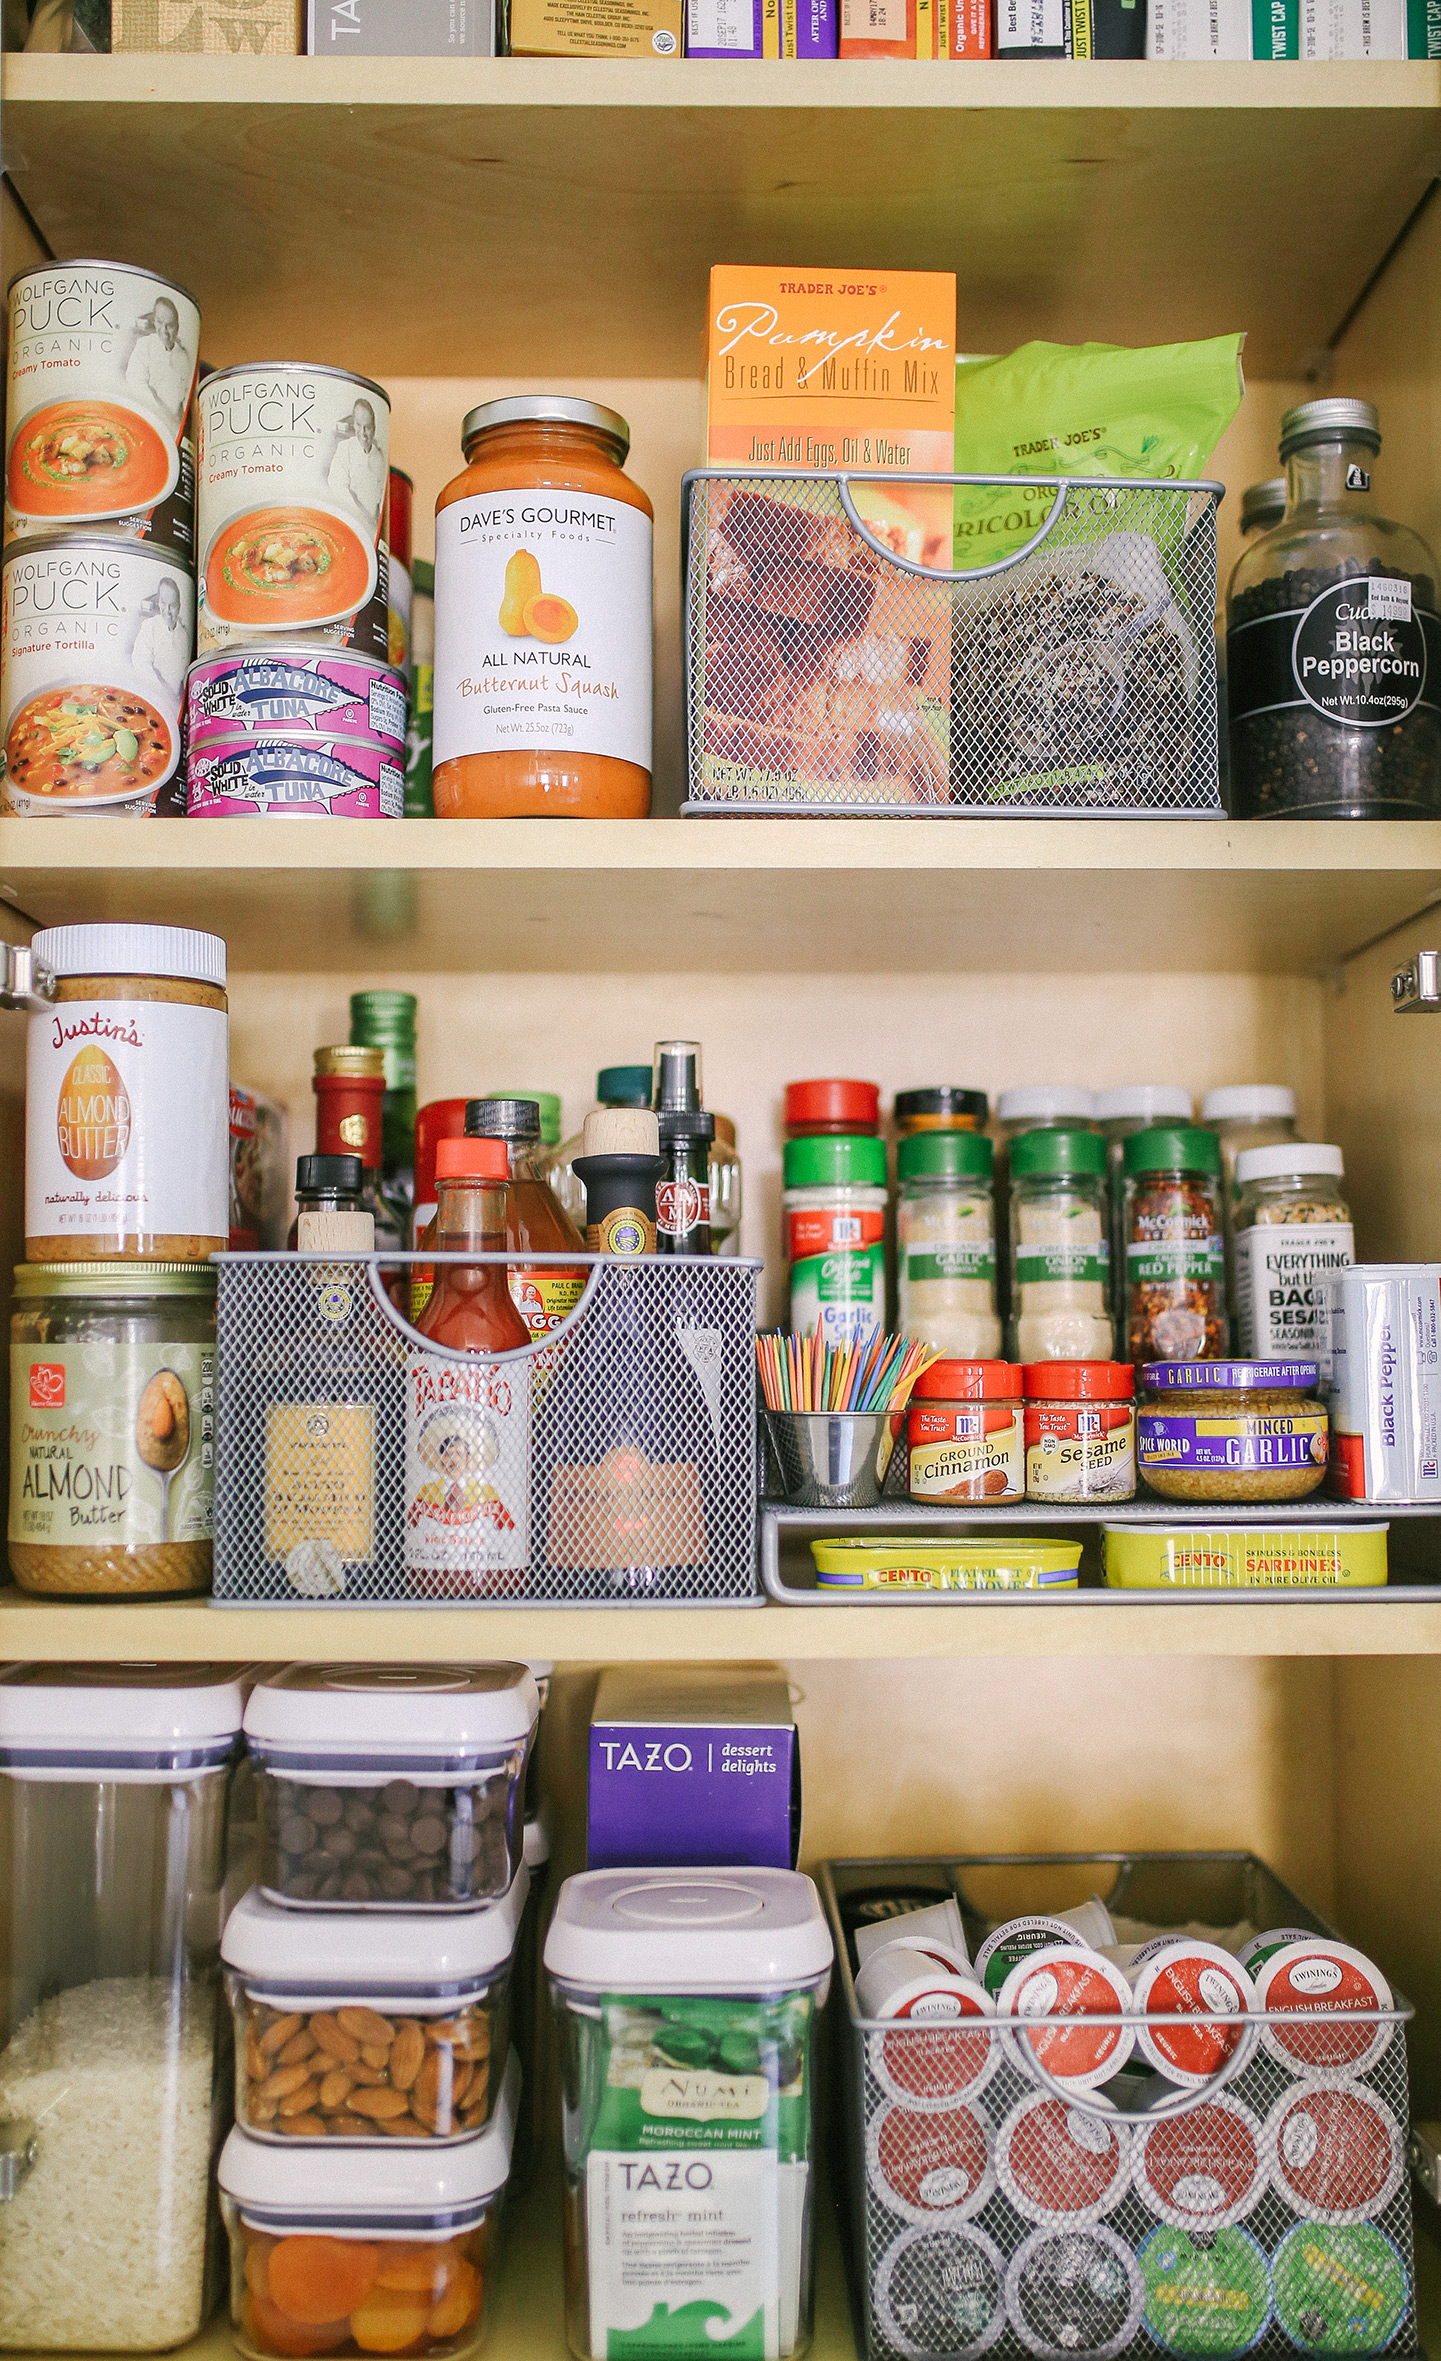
{"x":687,"y":1770}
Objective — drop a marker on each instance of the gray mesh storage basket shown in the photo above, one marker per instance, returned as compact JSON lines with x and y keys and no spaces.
{"x":829,"y":670}
{"x":359,"y":1463}
{"x":992,"y":2210}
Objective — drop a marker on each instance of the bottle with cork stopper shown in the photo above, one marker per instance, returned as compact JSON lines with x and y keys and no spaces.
{"x":619,"y":1169}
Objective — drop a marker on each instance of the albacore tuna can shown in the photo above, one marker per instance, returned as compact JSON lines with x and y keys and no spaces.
{"x":329,"y":693}
{"x":293,"y":465}
{"x":294,"y":776}
{"x":96,"y":635}
{"x":101,"y":376}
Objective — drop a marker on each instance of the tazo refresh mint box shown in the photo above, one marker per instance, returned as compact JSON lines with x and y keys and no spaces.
{"x":693,"y":1769}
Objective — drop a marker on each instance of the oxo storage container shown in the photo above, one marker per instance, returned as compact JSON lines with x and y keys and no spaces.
{"x":363,"y":2025}
{"x":390,"y":1786}
{"x":693,"y":2092}
{"x":113,"y":2072}
{"x":365,"y":2250}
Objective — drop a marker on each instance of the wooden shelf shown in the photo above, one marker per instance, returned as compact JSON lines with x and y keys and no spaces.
{"x":743,"y":896}
{"x":1127,"y":201}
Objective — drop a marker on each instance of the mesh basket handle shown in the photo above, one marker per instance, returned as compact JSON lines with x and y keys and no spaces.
{"x":906,"y":565}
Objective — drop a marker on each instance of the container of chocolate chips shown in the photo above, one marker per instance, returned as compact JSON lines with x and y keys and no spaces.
{"x":390,"y":1786}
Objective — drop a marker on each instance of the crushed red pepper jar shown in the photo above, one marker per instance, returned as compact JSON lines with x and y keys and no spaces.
{"x":1175,"y":1246}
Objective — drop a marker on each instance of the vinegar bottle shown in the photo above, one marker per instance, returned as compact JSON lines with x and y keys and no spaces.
{"x":470,"y":1307}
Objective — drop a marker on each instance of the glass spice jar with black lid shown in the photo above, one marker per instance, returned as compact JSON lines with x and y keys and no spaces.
{"x":1333,"y":644}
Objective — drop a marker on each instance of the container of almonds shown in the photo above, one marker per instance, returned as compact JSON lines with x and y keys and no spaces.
{"x":358,"y":2026}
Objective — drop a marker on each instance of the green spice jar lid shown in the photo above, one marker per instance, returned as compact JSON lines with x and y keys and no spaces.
{"x":1180,"y":1148}
{"x":945,"y":1155}
{"x":130,"y":1280}
{"x":835,"y":1163}
{"x":1039,"y":1152}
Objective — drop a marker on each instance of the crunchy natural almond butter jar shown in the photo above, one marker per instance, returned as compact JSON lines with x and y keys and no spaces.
{"x":127,"y":1108}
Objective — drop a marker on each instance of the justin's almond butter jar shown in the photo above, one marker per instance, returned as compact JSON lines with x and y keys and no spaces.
{"x":127,"y":1109}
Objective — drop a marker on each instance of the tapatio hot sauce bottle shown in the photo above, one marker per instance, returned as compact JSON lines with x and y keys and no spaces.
{"x":543,"y":618}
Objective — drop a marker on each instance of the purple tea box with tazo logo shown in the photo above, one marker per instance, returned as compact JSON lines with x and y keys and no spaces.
{"x":693,"y":1770}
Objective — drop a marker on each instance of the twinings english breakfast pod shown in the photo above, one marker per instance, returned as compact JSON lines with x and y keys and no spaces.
{"x":1058,"y":1994}
{"x":1336,"y":2154}
{"x":926,"y":2166}
{"x":947,"y":2049}
{"x":1326,"y":1983}
{"x":1060,"y":2163}
{"x":1191,"y":1984}
{"x":1204,"y":2168}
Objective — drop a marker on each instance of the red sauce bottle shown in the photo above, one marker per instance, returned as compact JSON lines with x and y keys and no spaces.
{"x":470,"y":1307}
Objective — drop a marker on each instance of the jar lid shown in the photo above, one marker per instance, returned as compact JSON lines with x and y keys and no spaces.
{"x":536,"y":1854}
{"x":425,"y":2184}
{"x":942,"y":1098}
{"x":548,"y":1103}
{"x":388,"y":1015}
{"x":137,"y":1721}
{"x":1326,"y":420}
{"x":834,"y":1100}
{"x":1230,"y":1377}
{"x":313,"y":1952}
{"x":1039,"y":1152}
{"x":426,"y":1717}
{"x":180,"y":951}
{"x":1184,"y":1147}
{"x":1260,"y":502}
{"x":623,"y":1086}
{"x":356,"y":1061}
{"x":1299,"y":1156}
{"x":123,"y":1281}
{"x":968,"y":1381}
{"x":1046,"y":1102}
{"x":1078,"y":1381}
{"x":471,"y":1159}
{"x":689,"y":1930}
{"x":344,"y":1175}
{"x":1153,"y":1102}
{"x":949,"y":1155}
{"x":1249,"y":1102}
{"x":834,"y":1163}
{"x":497,"y":1118}
{"x":546,"y":410}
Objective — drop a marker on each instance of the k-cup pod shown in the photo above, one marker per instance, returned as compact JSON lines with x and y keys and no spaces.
{"x":939,"y":1925}
{"x":1339,"y":2290}
{"x":1061,"y":2163}
{"x":1017,"y":1938}
{"x":1075,"y":2291}
{"x":1122,"y":1955}
{"x":1253,"y":1955}
{"x":1336,"y":1993}
{"x":1191,"y":1985}
{"x":1203,"y":2169}
{"x":1337,"y":2155}
{"x":1058,"y":1995}
{"x":927,"y":2168}
{"x":923,"y":1984}
{"x":941,"y":2291}
{"x":932,"y":2061}
{"x":1205,"y":2295}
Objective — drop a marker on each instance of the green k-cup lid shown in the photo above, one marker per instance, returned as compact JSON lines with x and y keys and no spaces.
{"x":1341,"y":2289}
{"x":1180,"y":1148}
{"x":1058,"y":1152}
{"x":1209,"y":2294}
{"x":945,"y":1155}
{"x":835,"y":1163}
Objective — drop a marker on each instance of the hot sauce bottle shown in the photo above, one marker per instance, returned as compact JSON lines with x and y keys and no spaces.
{"x":544,"y":1294}
{"x":470,"y":1307}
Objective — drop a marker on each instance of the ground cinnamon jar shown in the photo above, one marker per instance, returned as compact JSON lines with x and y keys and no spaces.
{"x":543,"y":618}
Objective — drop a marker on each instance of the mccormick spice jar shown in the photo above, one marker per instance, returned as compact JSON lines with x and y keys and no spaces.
{"x":835,"y":1211}
{"x":1231,"y":1430}
{"x":1060,"y":1250}
{"x":543,"y":618}
{"x":946,"y":1242}
{"x":1175,"y":1252}
{"x":127,"y":1105}
{"x":963,"y":1429}
{"x":1080,"y":1430}
{"x":833,"y":1109}
{"x":1293,"y":1233}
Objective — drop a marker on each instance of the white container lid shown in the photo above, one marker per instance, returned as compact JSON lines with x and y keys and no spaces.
{"x":537,"y":1843}
{"x":1152,"y":1102}
{"x":1300,"y":1156}
{"x":689,"y":1930}
{"x":1249,"y":1102}
{"x":133,"y":951}
{"x":414,"y":2184}
{"x":1045,"y":1100}
{"x":142,"y":1721}
{"x":310,"y":1952}
{"x":396,"y":1716}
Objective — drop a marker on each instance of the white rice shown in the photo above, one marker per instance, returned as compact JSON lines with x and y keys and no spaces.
{"x":103,"y":2246}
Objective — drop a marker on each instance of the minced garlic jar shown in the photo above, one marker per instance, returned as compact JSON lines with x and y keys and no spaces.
{"x":1231,"y":1430}
{"x":1060,"y":1248}
{"x":946,"y":1243}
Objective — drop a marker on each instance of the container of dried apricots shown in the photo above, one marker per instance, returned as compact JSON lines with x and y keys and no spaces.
{"x":386,"y":2249}
{"x":350,"y":2025}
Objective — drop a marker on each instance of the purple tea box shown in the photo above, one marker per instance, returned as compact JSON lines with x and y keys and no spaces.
{"x":762,"y":28}
{"x":690,"y":1769}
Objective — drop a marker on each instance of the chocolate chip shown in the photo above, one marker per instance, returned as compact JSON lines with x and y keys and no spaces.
{"x":427,"y":1833}
{"x":324,"y":1805}
{"x":297,"y":1834}
{"x":399,"y":1796}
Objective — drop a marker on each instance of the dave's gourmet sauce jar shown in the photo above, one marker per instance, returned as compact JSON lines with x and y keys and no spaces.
{"x":543,"y":618}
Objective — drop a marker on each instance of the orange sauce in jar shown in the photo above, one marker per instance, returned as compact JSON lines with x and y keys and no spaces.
{"x":543,"y":618}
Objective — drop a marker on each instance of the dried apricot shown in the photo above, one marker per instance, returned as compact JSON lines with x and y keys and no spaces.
{"x":388,"y":2320}
{"x":258,"y":2250}
{"x":418,"y":2270}
{"x":317,"y":2280}
{"x":458,"y":2306}
{"x":276,"y":2332}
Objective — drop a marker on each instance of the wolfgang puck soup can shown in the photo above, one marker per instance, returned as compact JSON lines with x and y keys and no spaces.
{"x":320,"y":692}
{"x":96,"y":636}
{"x":101,"y":377}
{"x":293,"y":467}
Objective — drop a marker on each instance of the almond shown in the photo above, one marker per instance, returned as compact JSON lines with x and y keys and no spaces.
{"x":300,"y":2102}
{"x":259,"y":2111}
{"x":376,"y":2054}
{"x":335,"y":2089}
{"x":333,"y":2041}
{"x":351,"y":2127}
{"x":444,"y":2032}
{"x":256,"y":2066}
{"x":408,"y":2055}
{"x":283,"y":2082}
{"x":365,"y":2077}
{"x":304,"y":2127}
{"x":381,"y":2106}
{"x":278,"y":2033}
{"x":300,"y":2045}
{"x":464,"y":2075}
{"x":365,"y":2025}
{"x":405,"y":2127}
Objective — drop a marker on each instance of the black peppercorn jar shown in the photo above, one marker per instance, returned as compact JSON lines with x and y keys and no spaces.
{"x":1333,"y":644}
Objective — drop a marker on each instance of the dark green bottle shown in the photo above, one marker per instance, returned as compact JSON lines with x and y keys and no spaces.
{"x":386,"y":1021}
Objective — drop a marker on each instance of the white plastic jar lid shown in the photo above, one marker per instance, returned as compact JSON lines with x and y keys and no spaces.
{"x":181,"y":951}
{"x":536,"y":1853}
{"x":310,"y":1955}
{"x":413,"y":2185}
{"x":1152,"y":1102}
{"x":138,"y":1721}
{"x":1302,"y":1156}
{"x":1045,"y":1099}
{"x":1249,"y":1102}
{"x":689,"y":1930}
{"x":453,"y":1717}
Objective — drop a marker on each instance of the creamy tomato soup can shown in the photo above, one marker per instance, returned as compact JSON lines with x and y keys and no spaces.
{"x":96,"y":635}
{"x":293,"y":463}
{"x":98,"y":403}
{"x":327,"y":693}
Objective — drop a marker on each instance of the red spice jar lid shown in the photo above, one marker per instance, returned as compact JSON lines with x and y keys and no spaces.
{"x":1078,"y":1381}
{"x":968,"y":1381}
{"x":839,"y":1105}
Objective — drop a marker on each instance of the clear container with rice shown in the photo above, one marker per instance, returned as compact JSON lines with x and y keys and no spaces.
{"x":113,"y":2068}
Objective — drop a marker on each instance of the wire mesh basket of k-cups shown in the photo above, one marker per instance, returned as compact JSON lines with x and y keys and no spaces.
{"x":1169,"y":2121}
{"x":964,"y":644}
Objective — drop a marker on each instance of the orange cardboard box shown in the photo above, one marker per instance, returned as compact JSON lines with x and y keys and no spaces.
{"x":915,"y":28}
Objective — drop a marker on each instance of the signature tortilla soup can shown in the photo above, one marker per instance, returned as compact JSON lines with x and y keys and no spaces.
{"x":98,"y":405}
{"x":96,"y":636}
{"x":293,"y":473}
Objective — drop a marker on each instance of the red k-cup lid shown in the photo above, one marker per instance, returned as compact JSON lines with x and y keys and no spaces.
{"x":1056,"y":1994}
{"x":1205,"y":2168}
{"x":1191,"y":1984}
{"x":1336,"y":1993}
{"x":1078,"y":1381}
{"x":925,"y":2166}
{"x":854,"y":1104}
{"x":1061,"y":2163}
{"x":969,"y":1381}
{"x":1336,"y":2155}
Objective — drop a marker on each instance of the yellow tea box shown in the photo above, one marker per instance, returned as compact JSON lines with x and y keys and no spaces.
{"x":247,"y":28}
{"x":595,"y":28}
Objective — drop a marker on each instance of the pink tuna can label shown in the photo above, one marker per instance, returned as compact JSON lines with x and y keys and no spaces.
{"x":1190,"y":1985}
{"x":1060,"y":1994}
{"x":294,"y":777}
{"x":924,"y":2166}
{"x":1336,"y":2155}
{"x":1336,"y":1994}
{"x":326,"y":694}
{"x":1203,"y":2169}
